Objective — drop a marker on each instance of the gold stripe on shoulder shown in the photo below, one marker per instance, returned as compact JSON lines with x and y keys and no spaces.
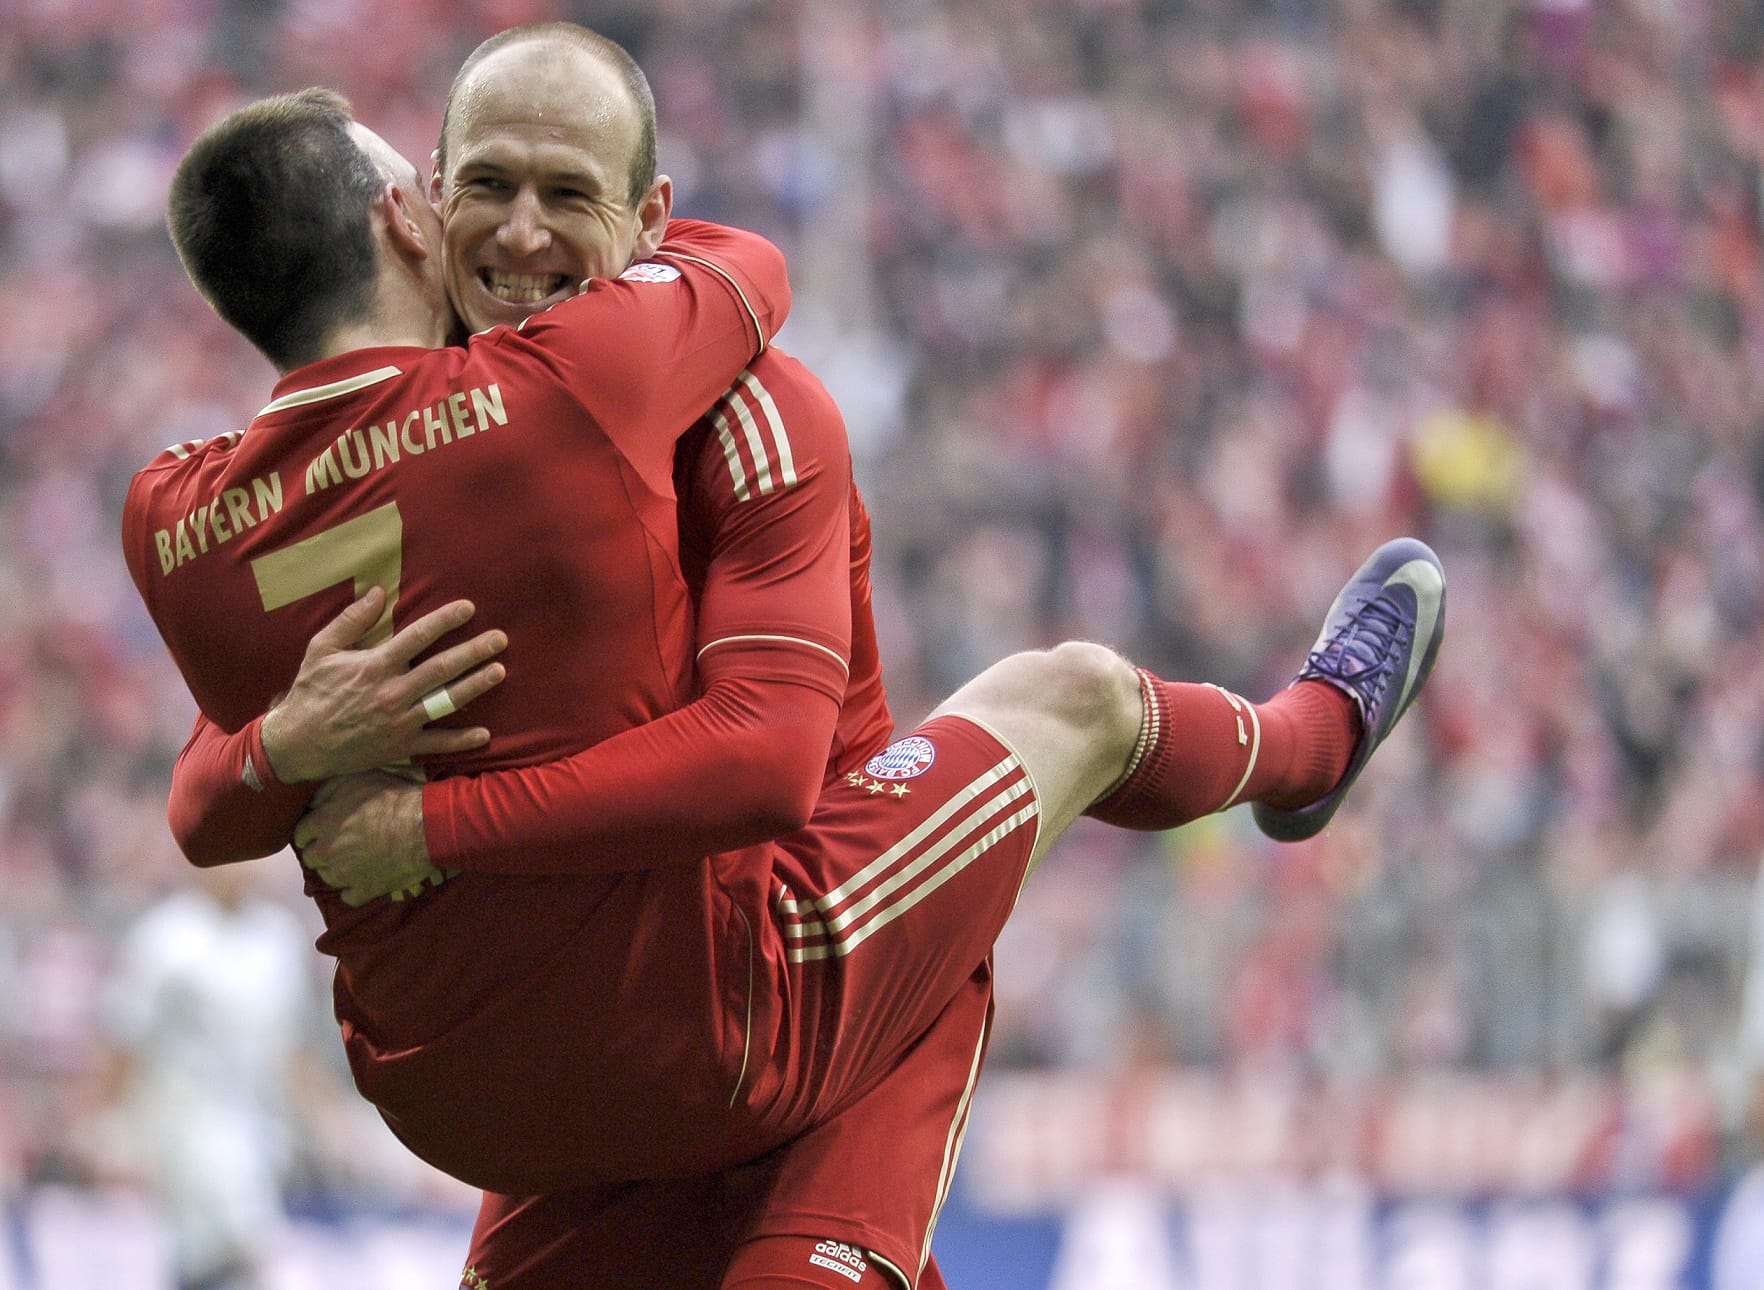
{"x":728,"y":277}
{"x":336,"y":389}
{"x":184,"y":451}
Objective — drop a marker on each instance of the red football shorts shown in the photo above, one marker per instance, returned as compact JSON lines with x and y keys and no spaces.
{"x":870,"y":1179}
{"x":892,"y":899}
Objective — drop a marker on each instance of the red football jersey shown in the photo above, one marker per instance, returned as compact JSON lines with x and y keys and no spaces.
{"x":776,"y":551}
{"x":776,"y":548}
{"x":777,"y":424}
{"x":531,"y":470}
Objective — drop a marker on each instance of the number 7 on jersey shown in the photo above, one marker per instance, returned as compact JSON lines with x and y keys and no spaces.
{"x":367,"y":551}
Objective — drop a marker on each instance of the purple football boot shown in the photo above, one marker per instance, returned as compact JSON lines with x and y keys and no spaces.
{"x":1377,"y":647}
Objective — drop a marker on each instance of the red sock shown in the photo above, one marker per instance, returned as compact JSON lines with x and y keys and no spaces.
{"x":1203,"y":749}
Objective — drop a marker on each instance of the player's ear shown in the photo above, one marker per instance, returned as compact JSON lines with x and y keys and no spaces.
{"x":653,"y":213}
{"x":435,"y":177}
{"x":402,"y":226}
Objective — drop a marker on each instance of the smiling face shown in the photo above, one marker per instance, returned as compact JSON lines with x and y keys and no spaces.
{"x":537,"y":190}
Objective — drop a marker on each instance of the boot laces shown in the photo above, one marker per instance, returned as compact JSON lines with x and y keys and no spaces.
{"x":1365,"y":651}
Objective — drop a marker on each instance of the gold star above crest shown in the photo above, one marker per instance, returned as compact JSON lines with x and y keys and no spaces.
{"x":854,"y":778}
{"x":900,"y":790}
{"x":876,"y":786}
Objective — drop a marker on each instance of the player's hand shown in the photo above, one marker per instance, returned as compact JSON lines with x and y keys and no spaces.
{"x":363,"y":835}
{"x":352,"y":709}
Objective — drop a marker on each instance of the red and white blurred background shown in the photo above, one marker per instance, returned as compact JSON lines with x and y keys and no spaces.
{"x":1149,"y":317}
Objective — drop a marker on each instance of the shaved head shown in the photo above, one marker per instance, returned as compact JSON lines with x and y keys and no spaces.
{"x":562,"y":41}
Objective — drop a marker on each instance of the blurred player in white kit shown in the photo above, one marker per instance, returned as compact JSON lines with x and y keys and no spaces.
{"x":209,"y":1004}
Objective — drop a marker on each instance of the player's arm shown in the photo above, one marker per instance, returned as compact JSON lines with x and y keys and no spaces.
{"x":743,"y":763}
{"x":647,"y":358}
{"x":238,"y":796}
{"x":739,"y":765}
{"x":647,"y":352}
{"x":226,"y":803}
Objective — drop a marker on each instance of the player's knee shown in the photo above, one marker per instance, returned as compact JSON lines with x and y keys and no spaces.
{"x":1072,"y":714}
{"x":1094,"y":689}
{"x":1086,"y":688}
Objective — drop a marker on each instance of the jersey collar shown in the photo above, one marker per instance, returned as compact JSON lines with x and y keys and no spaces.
{"x":334,"y":377}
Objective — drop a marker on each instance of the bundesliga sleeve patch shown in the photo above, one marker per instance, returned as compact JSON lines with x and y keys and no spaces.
{"x":650,"y":271}
{"x":903,"y":759}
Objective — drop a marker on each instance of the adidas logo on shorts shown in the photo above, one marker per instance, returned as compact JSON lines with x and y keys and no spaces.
{"x":840,"y":1258}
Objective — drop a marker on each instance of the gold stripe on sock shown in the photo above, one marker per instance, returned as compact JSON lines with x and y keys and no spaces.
{"x":1149,"y":722}
{"x":1240,"y":706}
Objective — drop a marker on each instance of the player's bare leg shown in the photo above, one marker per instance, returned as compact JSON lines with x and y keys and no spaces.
{"x":1071,"y":713}
{"x":1100,"y":736}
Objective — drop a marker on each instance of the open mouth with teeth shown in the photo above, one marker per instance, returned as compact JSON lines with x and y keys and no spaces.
{"x":522,"y":288}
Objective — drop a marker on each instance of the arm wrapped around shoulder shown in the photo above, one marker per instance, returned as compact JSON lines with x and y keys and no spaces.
{"x":741,"y":764}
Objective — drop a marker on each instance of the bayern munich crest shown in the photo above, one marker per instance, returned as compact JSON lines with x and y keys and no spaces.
{"x":649,"y":271}
{"x":903,"y":759}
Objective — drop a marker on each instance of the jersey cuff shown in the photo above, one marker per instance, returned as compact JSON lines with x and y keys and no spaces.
{"x":257,"y":774}
{"x":439,"y":835}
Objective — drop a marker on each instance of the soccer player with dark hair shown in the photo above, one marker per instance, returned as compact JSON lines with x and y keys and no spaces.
{"x":753,"y":1067}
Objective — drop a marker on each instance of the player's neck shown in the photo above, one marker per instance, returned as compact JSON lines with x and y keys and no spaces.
{"x":402,"y":317}
{"x":347,"y":340}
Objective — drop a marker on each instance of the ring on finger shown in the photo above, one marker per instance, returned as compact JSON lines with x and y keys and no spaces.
{"x":438,"y":703}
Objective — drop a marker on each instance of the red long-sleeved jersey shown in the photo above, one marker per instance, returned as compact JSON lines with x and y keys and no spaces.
{"x":531,"y":471}
{"x":775,"y":544}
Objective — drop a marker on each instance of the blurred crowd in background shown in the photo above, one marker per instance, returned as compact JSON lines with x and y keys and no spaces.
{"x":1150,"y":318}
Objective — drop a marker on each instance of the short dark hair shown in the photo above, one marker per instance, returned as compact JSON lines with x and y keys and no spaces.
{"x":269,"y":213}
{"x":603,"y":47}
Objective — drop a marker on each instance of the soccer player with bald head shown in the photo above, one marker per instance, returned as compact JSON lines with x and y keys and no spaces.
{"x":841,"y":1010}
